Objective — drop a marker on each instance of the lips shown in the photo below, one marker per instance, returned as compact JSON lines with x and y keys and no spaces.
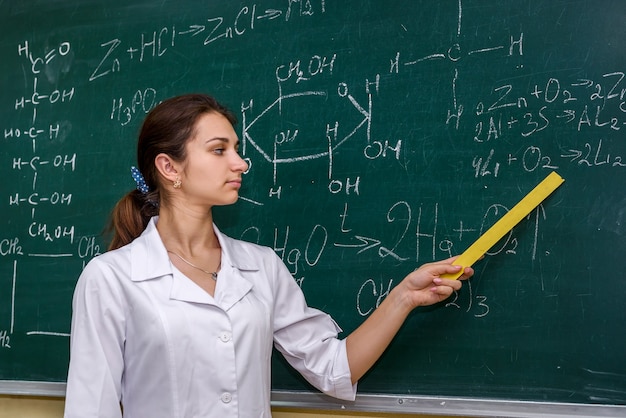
{"x":235,"y":183}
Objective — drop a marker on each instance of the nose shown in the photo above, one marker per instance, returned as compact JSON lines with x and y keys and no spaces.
{"x":239,"y":164}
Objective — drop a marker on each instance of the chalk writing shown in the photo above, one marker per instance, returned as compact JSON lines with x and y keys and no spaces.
{"x":371,"y":294}
{"x":476,"y":303}
{"x":38,"y":161}
{"x":140,"y":104}
{"x":571,"y":105}
{"x":116,"y":53}
{"x":5,"y":339}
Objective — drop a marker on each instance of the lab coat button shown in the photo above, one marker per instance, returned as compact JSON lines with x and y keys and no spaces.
{"x":225,"y":337}
{"x":226,"y":397}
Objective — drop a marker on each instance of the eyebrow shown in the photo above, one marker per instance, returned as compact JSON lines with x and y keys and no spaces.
{"x":221,"y":139}
{"x":217,"y":138}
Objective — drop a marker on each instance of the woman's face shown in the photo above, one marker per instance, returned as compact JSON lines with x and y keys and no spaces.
{"x":213,"y":168}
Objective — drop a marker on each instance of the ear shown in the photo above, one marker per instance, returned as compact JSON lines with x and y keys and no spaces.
{"x":168,"y":168}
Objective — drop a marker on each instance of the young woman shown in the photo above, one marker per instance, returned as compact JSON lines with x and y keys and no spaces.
{"x":179,"y":320}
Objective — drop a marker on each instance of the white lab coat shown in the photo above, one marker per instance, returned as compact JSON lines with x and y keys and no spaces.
{"x":146,"y":336}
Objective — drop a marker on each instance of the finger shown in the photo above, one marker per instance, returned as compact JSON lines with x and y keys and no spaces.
{"x":445,"y":262}
{"x":442,"y":292}
{"x":439,"y":269}
{"x":447,"y":283}
{"x":467,"y":273}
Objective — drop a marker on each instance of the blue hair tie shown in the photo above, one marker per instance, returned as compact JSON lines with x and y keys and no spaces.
{"x":141,"y":183}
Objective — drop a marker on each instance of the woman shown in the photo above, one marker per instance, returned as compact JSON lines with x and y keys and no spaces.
{"x":179,"y":320}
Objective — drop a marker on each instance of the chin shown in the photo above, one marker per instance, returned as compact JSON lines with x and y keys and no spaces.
{"x":227,"y":202}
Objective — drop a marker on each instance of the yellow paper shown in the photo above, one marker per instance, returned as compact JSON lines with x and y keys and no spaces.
{"x":506,"y":223}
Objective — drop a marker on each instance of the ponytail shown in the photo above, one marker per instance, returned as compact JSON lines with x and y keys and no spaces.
{"x":129,"y":218}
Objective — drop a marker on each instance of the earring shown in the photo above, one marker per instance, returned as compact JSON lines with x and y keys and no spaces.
{"x":177,"y":183}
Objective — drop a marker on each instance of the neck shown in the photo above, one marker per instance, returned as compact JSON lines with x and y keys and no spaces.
{"x":187,"y":234}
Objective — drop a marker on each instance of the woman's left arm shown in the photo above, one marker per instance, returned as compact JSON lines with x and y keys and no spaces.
{"x":422,"y":287}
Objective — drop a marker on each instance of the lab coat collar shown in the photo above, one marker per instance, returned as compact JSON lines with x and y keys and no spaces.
{"x":150,"y":261}
{"x":148,"y":255}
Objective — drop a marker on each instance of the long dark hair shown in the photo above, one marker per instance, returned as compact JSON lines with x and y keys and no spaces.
{"x":166,"y":129}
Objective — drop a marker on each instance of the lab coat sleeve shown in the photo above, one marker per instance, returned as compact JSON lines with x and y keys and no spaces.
{"x":96,"y":345}
{"x":307,"y":338}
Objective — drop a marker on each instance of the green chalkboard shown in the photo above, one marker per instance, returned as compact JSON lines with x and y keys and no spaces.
{"x":381,"y":135}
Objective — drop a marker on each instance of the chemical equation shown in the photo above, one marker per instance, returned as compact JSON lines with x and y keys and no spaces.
{"x":420,"y":240}
{"x":587,"y":106}
{"x":533,"y":158}
{"x":583,"y":103}
{"x":166,"y":39}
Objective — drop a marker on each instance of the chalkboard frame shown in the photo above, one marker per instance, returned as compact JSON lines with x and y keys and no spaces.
{"x":384,"y":403}
{"x":424,"y":191}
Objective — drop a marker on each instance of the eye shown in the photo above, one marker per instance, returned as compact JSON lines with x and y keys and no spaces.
{"x":218,"y":151}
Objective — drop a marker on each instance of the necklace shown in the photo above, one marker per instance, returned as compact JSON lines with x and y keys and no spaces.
{"x":213,"y":274}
